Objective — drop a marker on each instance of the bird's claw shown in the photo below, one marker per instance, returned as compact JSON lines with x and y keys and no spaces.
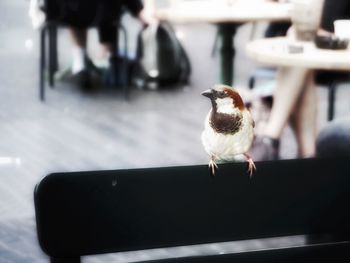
{"x":251,"y":166}
{"x":213,"y":166}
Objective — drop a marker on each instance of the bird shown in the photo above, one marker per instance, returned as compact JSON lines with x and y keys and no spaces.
{"x":228,"y":127}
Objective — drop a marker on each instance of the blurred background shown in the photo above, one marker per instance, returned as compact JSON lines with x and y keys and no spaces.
{"x":75,"y":130}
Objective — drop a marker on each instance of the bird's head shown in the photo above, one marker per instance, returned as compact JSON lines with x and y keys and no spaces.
{"x":224,"y":98}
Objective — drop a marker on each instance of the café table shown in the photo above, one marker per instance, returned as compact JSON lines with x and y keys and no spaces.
{"x":227,"y":16}
{"x":285,"y":52}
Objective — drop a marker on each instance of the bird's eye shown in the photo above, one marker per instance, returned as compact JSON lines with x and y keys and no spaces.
{"x":222,"y":94}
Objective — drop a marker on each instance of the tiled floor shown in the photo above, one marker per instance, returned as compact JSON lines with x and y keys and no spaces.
{"x":74,"y":131}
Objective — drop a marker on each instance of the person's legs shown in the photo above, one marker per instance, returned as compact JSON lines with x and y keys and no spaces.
{"x":304,"y":118}
{"x":79,"y":36}
{"x":108,"y":42}
{"x":290,"y":82}
{"x":289,"y":85}
{"x":79,"y":53}
{"x":83,"y":69}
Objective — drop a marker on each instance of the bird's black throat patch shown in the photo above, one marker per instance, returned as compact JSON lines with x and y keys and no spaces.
{"x":226,"y":123}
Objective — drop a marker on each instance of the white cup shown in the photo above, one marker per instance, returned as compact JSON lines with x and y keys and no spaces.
{"x":342,"y":28}
{"x":306,"y":16}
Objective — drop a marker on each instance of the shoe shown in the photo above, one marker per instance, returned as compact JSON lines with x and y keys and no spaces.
{"x":92,"y":67}
{"x":265,"y":149}
{"x":83,"y":80}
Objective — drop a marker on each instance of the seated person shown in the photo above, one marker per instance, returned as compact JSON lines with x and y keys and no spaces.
{"x":295,"y":100}
{"x":79,"y":15}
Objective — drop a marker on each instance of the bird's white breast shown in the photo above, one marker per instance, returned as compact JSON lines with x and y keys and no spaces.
{"x":226,"y":146}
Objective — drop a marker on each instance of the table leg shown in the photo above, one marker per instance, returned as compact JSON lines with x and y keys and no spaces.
{"x":227,"y":52}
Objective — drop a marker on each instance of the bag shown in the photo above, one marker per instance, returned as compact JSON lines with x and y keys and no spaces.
{"x":161,"y":59}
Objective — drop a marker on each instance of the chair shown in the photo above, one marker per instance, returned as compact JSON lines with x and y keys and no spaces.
{"x":331,"y":80}
{"x":94,"y":212}
{"x":49,"y":32}
{"x":334,"y":138}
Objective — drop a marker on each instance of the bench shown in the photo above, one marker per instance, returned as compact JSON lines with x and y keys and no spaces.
{"x":94,"y":212}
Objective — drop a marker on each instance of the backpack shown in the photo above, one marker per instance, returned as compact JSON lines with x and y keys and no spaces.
{"x":161,"y":59}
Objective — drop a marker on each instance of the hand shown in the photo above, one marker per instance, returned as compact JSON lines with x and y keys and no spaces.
{"x":291,"y":32}
{"x":36,"y":15}
{"x":147,"y":16}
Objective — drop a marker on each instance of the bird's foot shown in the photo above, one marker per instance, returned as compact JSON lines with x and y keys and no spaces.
{"x":251,"y":165}
{"x":213,"y":166}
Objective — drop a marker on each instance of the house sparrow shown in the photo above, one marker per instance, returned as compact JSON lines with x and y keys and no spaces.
{"x":228,"y":128}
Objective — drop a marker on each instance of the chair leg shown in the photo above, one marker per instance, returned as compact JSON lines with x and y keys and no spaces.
{"x":215,"y":44}
{"x":331,"y":100}
{"x":42,"y":65}
{"x":53,"y":65}
{"x":251,"y":82}
{"x":125,"y":74}
{"x":55,"y":50}
{"x":253,"y":31}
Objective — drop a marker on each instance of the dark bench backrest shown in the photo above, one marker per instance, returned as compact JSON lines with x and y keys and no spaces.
{"x":95,"y":212}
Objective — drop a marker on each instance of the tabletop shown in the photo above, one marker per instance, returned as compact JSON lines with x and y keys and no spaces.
{"x":283,"y":51}
{"x":197,"y":11}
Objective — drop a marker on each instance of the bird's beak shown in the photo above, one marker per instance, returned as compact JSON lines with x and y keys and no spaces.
{"x":208,"y":93}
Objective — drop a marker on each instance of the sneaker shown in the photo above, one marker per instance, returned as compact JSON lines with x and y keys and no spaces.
{"x":83,"y":80}
{"x":265,"y":149}
{"x":91,"y":66}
